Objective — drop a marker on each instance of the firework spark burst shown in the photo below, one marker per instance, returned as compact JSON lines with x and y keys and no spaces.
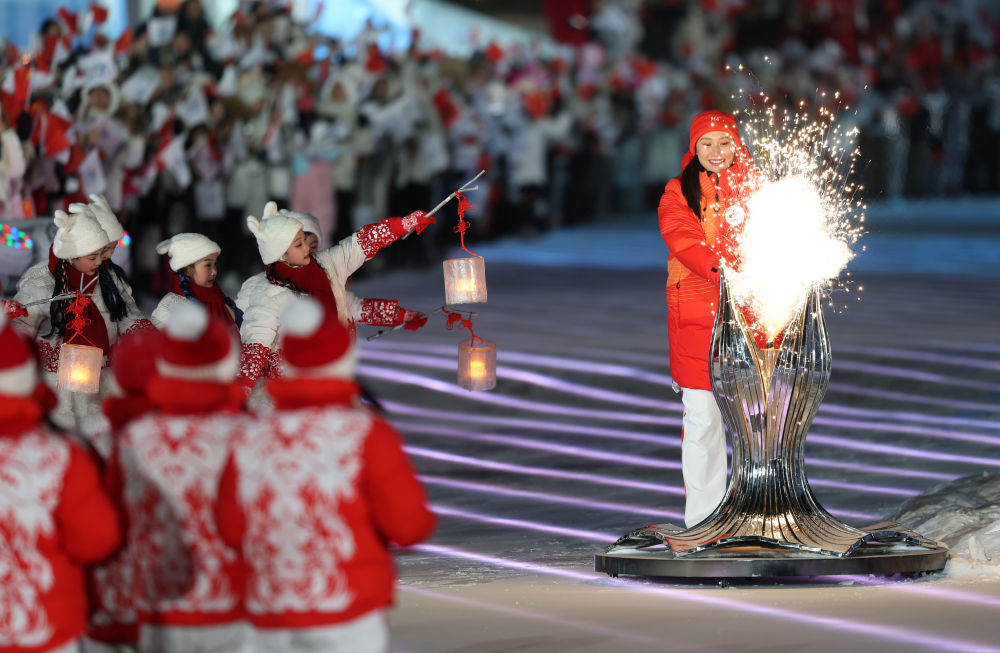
{"x":802,"y":215}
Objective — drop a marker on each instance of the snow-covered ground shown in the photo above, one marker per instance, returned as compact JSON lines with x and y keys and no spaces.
{"x":579,"y":443}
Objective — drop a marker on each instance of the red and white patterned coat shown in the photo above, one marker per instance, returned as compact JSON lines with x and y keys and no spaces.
{"x":171,"y":463}
{"x":310,"y":495}
{"x":54,"y":516}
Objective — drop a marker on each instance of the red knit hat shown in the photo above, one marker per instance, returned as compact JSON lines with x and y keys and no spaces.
{"x":18,"y":366}
{"x":315,"y":343}
{"x":134,"y":362}
{"x":710,"y":121}
{"x":197,"y":347}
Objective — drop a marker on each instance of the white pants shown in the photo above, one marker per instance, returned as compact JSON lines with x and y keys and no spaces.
{"x":367,"y":634}
{"x":227,"y":638}
{"x":703,"y":455}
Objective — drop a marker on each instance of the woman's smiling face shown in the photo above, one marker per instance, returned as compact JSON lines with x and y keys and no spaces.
{"x":715,"y":150}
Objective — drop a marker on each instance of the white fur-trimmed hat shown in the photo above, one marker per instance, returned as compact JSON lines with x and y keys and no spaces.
{"x":18,"y":367}
{"x":310,"y":224}
{"x":187,"y":248}
{"x":315,"y":344}
{"x":274,"y":232}
{"x":197,"y":347}
{"x":79,"y":234}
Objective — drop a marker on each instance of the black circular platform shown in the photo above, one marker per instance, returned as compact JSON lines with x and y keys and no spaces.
{"x":757,"y":562}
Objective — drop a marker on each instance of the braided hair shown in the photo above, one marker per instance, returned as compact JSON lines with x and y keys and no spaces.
{"x":57,"y":309}
{"x":185,"y":285}
{"x":111,"y":295}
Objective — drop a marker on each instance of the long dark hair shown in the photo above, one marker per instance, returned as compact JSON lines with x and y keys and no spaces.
{"x":57,"y":310}
{"x":691,"y":185}
{"x":110,"y":293}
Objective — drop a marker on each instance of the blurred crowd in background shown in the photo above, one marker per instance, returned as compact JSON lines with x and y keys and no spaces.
{"x":188,"y":128}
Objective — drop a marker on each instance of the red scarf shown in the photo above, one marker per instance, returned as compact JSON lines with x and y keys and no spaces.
{"x":212,"y":298}
{"x":18,"y":414}
{"x":310,"y":279}
{"x":95,"y":333}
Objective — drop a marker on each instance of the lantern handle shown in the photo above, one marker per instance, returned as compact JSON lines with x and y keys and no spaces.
{"x":69,"y":295}
{"x":384,"y":332}
{"x":465,"y":187}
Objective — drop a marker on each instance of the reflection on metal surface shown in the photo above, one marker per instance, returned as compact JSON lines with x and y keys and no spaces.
{"x":768,"y":399}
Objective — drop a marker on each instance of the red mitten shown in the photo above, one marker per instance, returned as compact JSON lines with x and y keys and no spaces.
{"x":254,"y":361}
{"x":412,"y":320}
{"x":13,"y":309}
{"x":380,"y":312}
{"x":418,"y":220}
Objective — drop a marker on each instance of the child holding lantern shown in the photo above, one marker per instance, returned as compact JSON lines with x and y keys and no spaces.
{"x":194,"y":257}
{"x":292,"y":269}
{"x":106,"y":311}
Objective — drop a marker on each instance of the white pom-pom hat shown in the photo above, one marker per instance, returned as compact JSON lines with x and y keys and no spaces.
{"x":18,"y":367}
{"x":197,"y":347}
{"x":274,"y":232}
{"x":315,"y":344}
{"x":79,"y":234}
{"x":187,"y":248}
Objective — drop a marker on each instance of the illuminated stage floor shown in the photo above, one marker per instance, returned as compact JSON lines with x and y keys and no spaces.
{"x":580,"y":442}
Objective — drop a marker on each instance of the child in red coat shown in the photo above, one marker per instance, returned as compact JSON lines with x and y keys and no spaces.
{"x":188,"y":583}
{"x":312,"y":493}
{"x":54,"y":515}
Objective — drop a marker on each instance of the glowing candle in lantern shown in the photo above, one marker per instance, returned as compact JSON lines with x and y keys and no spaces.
{"x":477,"y":364}
{"x":80,"y":368}
{"x":465,"y":280}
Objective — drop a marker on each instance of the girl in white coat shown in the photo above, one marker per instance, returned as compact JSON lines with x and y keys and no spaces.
{"x":73,"y":265}
{"x":194,"y":259}
{"x":292,"y":269}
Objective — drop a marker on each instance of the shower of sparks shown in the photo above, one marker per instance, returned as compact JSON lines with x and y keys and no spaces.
{"x":802,"y":216}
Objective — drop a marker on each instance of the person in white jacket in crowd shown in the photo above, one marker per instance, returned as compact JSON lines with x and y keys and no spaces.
{"x":292,"y":269}
{"x":12,"y":168}
{"x":73,"y":265}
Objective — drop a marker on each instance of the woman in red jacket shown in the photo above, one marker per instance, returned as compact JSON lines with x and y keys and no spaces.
{"x":699,"y":213}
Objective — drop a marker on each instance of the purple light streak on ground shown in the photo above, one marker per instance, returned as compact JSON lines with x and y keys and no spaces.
{"x":923,"y":356}
{"x":574,"y":625}
{"x":547,"y":472}
{"x":625,"y":459}
{"x":630,"y":400}
{"x":713,"y":600}
{"x":924,"y":400}
{"x":596,"y":536}
{"x":522,"y":404}
{"x":433,"y":454}
{"x":667,"y":441}
{"x":916,"y":375}
{"x":589,"y":504}
{"x":918,"y":587}
{"x":396,"y":376}
{"x":908,"y":416}
{"x":894,"y":450}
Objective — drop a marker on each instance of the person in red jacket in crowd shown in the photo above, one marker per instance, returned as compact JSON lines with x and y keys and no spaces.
{"x":187,"y":582}
{"x":700,"y":214}
{"x":113,"y":624}
{"x":54,"y":515}
{"x":311,"y":495}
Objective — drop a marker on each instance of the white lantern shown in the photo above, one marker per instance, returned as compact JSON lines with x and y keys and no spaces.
{"x":80,"y":368}
{"x":477,"y":364}
{"x":465,"y":280}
